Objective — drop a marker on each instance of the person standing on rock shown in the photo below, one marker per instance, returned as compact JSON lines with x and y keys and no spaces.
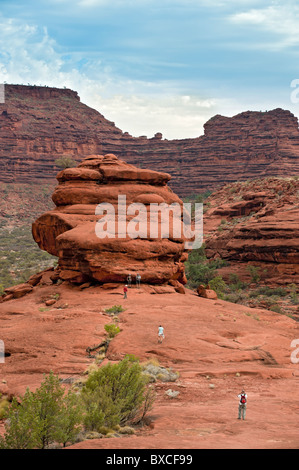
{"x":138,"y":279}
{"x":160,"y":334}
{"x":129,"y":280}
{"x":242,"y":404}
{"x":125,"y":291}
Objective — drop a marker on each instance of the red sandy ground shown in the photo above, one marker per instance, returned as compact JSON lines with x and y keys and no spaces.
{"x":217,"y":347}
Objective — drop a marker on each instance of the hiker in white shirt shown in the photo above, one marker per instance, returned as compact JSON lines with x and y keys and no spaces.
{"x":242,"y":404}
{"x":160,"y":334}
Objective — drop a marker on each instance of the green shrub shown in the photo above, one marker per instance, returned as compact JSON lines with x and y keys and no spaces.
{"x":116,"y":394}
{"x":254,"y":273}
{"x":43,"y":417}
{"x":276,"y":308}
{"x":112,"y":330}
{"x":235,"y":282}
{"x":272,"y":291}
{"x":218,"y":285}
{"x":65,"y":162}
{"x":4,"y":405}
{"x":115,"y":309}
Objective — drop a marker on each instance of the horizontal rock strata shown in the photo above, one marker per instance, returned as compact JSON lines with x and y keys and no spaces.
{"x":71,"y":230}
{"x":40,"y":124}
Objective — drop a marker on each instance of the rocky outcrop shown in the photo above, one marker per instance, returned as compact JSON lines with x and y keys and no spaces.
{"x":40,"y":124}
{"x":206,"y":292}
{"x":256,"y":224}
{"x":211,"y":348}
{"x":103,"y":243}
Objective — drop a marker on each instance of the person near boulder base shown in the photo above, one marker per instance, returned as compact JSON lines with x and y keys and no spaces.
{"x":242,"y":404}
{"x":129,"y":280}
{"x":125,"y":291}
{"x":138,"y":279}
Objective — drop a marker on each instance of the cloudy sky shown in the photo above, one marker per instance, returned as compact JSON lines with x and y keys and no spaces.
{"x":157,"y":65}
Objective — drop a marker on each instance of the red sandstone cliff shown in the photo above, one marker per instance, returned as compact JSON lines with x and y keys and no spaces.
{"x":39,"y":124}
{"x":256,"y":223}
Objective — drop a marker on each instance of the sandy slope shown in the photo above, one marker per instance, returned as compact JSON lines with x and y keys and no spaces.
{"x":216,"y":346}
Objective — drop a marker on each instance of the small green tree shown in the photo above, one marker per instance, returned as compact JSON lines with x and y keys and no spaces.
{"x":69,"y":420}
{"x":115,"y":395}
{"x":42,"y":417}
{"x":21,"y":432}
{"x":47,"y":404}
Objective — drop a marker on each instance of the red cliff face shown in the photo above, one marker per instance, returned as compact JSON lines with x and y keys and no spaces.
{"x":256,"y":224}
{"x":40,"y":124}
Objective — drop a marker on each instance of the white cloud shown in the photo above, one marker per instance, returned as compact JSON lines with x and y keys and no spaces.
{"x":29,"y":55}
{"x":282,"y":20}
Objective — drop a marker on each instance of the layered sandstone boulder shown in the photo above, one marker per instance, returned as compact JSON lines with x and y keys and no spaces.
{"x":97,"y":238}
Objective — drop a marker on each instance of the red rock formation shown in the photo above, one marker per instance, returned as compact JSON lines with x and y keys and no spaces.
{"x":40,"y":124}
{"x":256,"y":223}
{"x":70,"y":231}
{"x":206,"y":293}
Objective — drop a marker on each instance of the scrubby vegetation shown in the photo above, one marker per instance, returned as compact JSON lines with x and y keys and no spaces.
{"x":112,"y":330}
{"x":115,"y":309}
{"x":42,"y":417}
{"x":116,"y":394}
{"x":20,"y":256}
{"x":65,"y":162}
{"x":200,"y":270}
{"x":112,"y":399}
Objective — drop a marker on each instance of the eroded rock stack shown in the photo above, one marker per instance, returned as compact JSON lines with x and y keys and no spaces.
{"x":70,"y":231}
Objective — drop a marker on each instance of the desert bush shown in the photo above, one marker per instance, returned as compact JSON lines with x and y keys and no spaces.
{"x":4,"y":405}
{"x":254,"y":273}
{"x":42,"y":417}
{"x":198,"y":269}
{"x":112,"y":330}
{"x":218,"y":285}
{"x":235,"y":282}
{"x":276,"y":308}
{"x":115,"y":309}
{"x":116,"y":394}
{"x":20,"y":256}
{"x":65,"y":162}
{"x":272,"y":291}
{"x":234,"y":297}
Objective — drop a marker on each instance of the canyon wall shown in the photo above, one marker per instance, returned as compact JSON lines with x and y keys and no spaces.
{"x":40,"y":124}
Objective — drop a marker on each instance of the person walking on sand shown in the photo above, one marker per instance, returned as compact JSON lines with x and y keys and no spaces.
{"x":161,"y":335}
{"x":125,"y":291}
{"x":129,"y":280}
{"x":242,"y":404}
{"x":138,"y":279}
